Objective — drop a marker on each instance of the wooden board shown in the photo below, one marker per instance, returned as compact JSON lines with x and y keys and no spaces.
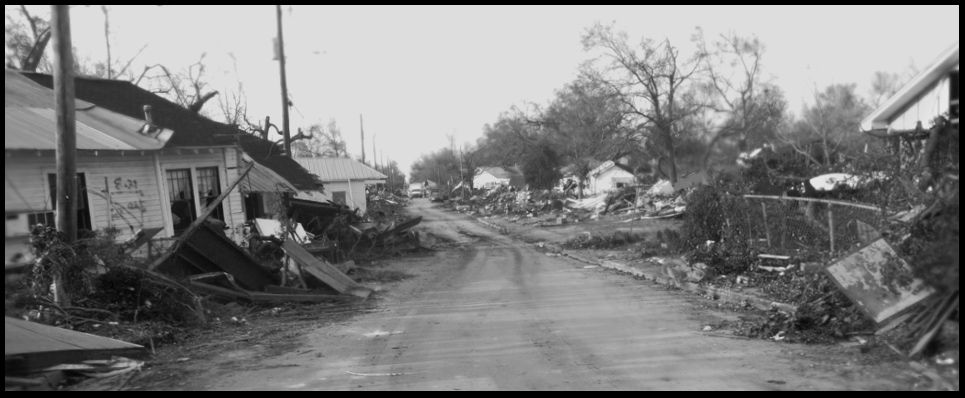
{"x":324,"y":272}
{"x":860,"y":277}
{"x":30,"y":347}
{"x":207,"y":251}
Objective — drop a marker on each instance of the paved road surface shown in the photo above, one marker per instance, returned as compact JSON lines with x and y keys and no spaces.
{"x":501,"y":316}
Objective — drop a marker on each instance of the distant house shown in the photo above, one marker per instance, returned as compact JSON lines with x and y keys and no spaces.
{"x":570,"y":179}
{"x":345,"y":181}
{"x":162,"y":186}
{"x":933,"y":93}
{"x":610,"y":176}
{"x":493,"y":177}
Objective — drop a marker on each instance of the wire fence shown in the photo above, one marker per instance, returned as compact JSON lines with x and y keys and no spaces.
{"x":788,"y":224}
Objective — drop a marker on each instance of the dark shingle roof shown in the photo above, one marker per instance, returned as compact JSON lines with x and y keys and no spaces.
{"x":190,"y":129}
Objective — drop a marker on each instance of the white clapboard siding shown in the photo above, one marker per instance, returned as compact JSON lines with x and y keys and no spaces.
{"x":133,"y":186}
{"x":354,"y":195}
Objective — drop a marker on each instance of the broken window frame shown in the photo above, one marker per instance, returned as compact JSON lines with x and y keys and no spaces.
{"x":209,"y":179}
{"x":181,"y":177}
{"x":344,"y":197}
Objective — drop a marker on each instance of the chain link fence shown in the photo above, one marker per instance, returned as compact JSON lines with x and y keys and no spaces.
{"x":785,"y":224}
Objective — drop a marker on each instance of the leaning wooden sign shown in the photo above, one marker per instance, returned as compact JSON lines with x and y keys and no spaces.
{"x":861,"y":277}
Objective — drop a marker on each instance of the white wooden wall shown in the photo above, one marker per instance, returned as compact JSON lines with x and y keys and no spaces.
{"x":608,"y":180}
{"x":133,"y":184}
{"x":354,"y":194}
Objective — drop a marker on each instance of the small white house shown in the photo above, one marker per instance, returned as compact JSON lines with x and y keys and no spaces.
{"x":344,"y":179}
{"x":610,"y":176}
{"x":933,"y":93}
{"x":493,"y":177}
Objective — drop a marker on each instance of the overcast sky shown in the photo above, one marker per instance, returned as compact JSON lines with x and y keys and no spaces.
{"x":421,"y":73}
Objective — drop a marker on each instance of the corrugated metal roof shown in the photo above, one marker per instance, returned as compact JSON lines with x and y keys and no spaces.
{"x":30,"y":122}
{"x":339,"y":169}
{"x":263,"y":179}
{"x":193,"y":130}
{"x":936,"y":71}
{"x":13,"y":201}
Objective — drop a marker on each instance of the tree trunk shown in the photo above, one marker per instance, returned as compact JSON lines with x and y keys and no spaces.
{"x":580,"y":188}
{"x":672,"y":152}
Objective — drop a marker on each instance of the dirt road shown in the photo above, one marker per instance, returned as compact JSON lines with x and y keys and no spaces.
{"x":492,"y":314}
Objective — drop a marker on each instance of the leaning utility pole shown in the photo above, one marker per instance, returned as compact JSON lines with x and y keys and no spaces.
{"x":362,"y":126}
{"x":66,"y":200}
{"x":286,"y":131}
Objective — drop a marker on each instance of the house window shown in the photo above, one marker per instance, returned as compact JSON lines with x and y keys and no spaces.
{"x":83,"y":206}
{"x":182,"y":199}
{"x":47,"y":219}
{"x":339,"y":198}
{"x":16,"y":226}
{"x":954,"y":110}
{"x":209,"y":188}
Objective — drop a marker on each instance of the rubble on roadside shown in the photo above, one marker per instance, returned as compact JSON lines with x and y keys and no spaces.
{"x":553,"y":208}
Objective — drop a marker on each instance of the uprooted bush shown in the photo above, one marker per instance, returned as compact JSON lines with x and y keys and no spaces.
{"x":74,"y":265}
{"x":134,"y":297}
{"x":716,"y":230}
{"x":96,"y":284}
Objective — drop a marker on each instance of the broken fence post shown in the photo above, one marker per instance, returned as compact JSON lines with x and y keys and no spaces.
{"x":831,"y":225}
{"x":767,"y":230}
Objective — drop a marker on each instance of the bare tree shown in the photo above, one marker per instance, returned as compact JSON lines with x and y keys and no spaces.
{"x":738,"y":99}
{"x":325,"y":142}
{"x":585,"y":123}
{"x":234,"y":106}
{"x":829,"y":126}
{"x":187,"y":88}
{"x":26,"y":38}
{"x":885,"y":85}
{"x":653,"y":82}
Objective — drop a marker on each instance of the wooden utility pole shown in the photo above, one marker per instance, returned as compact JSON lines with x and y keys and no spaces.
{"x":286,"y":130}
{"x":362,"y":126}
{"x":66,"y":126}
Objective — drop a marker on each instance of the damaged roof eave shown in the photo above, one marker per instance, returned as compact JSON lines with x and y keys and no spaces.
{"x":270,"y":175}
{"x":881,"y":117}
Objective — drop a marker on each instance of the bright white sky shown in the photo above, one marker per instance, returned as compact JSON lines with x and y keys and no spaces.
{"x":421,"y":73}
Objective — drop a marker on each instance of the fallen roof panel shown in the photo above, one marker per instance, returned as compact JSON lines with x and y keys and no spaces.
{"x":30,"y":347}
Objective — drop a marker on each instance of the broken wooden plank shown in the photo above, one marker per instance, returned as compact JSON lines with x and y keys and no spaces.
{"x":936,"y":323}
{"x":860,"y":277}
{"x":324,"y":272}
{"x":207,"y":251}
{"x":31,"y":347}
{"x":294,"y":298}
{"x":220,"y":291}
{"x":203,"y":216}
{"x":402,"y":227}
